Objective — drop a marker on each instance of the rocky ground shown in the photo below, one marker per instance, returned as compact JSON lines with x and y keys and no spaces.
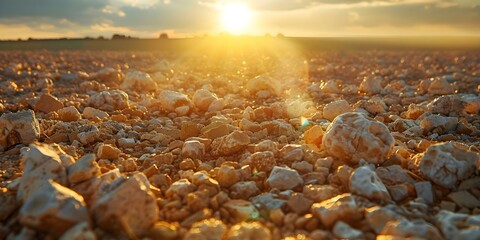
{"x":354,"y":145}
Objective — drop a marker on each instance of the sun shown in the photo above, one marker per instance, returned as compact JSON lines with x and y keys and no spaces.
{"x":235,"y":18}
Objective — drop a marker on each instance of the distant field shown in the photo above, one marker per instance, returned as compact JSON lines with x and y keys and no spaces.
{"x":219,"y":43}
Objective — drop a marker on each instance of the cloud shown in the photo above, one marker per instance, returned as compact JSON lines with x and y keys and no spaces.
{"x":146,"y":18}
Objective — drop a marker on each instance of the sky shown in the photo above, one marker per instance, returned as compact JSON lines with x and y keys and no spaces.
{"x":184,"y":18}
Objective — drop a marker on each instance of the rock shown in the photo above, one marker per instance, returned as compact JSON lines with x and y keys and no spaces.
{"x":291,"y":153}
{"x":314,"y":136}
{"x":69,"y":114}
{"x":241,"y":210}
{"x":399,"y":192}
{"x":425,"y":191}
{"x":172,"y":101}
{"x":471,"y":104}
{"x":444,"y":124}
{"x":365,"y":182}
{"x":128,"y":207}
{"x":302,"y":167}
{"x":447,"y":163}
{"x":458,"y":225}
{"x":464,"y":199}
{"x":48,"y":103}
{"x":92,"y":113}
{"x":344,"y":231}
{"x":331,"y":86}
{"x":213,"y":229}
{"x":354,"y":136}
{"x":215,"y":130}
{"x":373,"y":106}
{"x":268,"y":201}
{"x":299,"y":204}
{"x":53,"y":208}
{"x":284,"y":178}
{"x":126,"y":142}
{"x":378,"y":217}
{"x":107,"y":75}
{"x":88,"y":134}
{"x":139,"y":81}
{"x":248,"y":231}
{"x":414,"y":228}
{"x":202,"y":99}
{"x":41,"y":163}
{"x":342,"y":207}
{"x":319,"y":193}
{"x":163,"y":230}
{"x":393,"y":175}
{"x":107,"y":151}
{"x":180,"y":189}
{"x":193,"y":149}
{"x":441,"y":86}
{"x":109,"y":100}
{"x":445,"y":105}
{"x":266,"y":145}
{"x":81,"y":231}
{"x":231,"y":143}
{"x":244,"y":190}
{"x":335,"y":108}
{"x":227,"y":176}
{"x":263,"y":82}
{"x":83,"y":169}
{"x":20,"y":127}
{"x":9,"y":204}
{"x":262,"y":161}
{"x":371,"y":85}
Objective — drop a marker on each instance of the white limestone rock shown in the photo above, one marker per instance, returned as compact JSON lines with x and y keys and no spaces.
{"x":53,"y":208}
{"x":365,"y":182}
{"x":83,"y":169}
{"x":172,"y":101}
{"x":458,"y":225}
{"x":231,"y":143}
{"x":193,"y":149}
{"x":202,"y":99}
{"x":180,"y":189}
{"x":107,"y":75}
{"x":127,"y":208}
{"x":109,"y":100}
{"x":263,"y":83}
{"x":69,"y":114}
{"x":443,"y":124}
{"x":92,"y":113}
{"x":139,"y":81}
{"x":393,"y":175}
{"x":331,"y":86}
{"x":88,"y":134}
{"x":20,"y":127}
{"x":342,"y":207}
{"x":377,"y":217}
{"x":414,"y":228}
{"x":335,"y":108}
{"x":81,"y":231}
{"x":371,"y":85}
{"x":441,"y":86}
{"x":447,"y":163}
{"x":41,"y":163}
{"x":354,"y":136}
{"x":248,"y":231}
{"x":284,"y":178}
{"x":344,"y":231}
{"x":213,"y":229}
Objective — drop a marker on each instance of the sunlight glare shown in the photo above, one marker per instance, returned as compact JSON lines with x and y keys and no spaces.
{"x":235,"y":18}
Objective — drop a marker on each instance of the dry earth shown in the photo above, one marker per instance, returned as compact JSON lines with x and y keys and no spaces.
{"x":354,"y":145}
